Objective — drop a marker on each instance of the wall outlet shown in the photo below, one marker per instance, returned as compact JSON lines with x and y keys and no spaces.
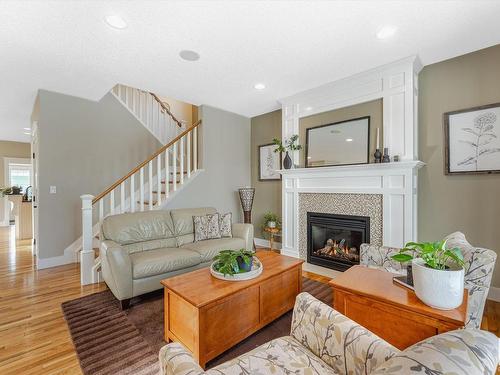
{"x":53,"y":190}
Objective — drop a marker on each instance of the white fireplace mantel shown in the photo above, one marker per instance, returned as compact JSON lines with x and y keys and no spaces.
{"x":396,"y":182}
{"x":396,"y":84}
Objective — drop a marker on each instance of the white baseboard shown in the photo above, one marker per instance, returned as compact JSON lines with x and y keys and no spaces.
{"x":494,"y":294}
{"x":69,"y":256}
{"x":265,"y":243}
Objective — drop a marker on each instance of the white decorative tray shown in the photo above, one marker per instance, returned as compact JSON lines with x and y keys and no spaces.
{"x":256,"y":270}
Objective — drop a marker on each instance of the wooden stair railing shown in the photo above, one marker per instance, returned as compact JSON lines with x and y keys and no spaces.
{"x":163,"y":171}
{"x":149,"y":109}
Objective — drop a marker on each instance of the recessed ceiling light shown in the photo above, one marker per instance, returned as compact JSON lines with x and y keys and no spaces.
{"x":309,"y":157}
{"x":386,"y":32}
{"x":259,"y":86}
{"x":308,"y":108}
{"x":348,"y":140}
{"x":115,"y":22}
{"x":27,"y":133}
{"x":27,"y":128}
{"x":189,"y":55}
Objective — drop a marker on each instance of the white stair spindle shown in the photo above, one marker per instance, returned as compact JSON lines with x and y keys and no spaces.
{"x":158,"y":177}
{"x":120,"y":92}
{"x":188,"y":154}
{"x":141,"y":188}
{"x":174,"y":167}
{"x":150,"y":184}
{"x":167,"y":174}
{"x":87,"y":256}
{"x":122,"y":197}
{"x":195,"y":149}
{"x":127,"y":97}
{"x":112,"y":202}
{"x":101,"y":209}
{"x":181,"y":163}
{"x":132,"y":193}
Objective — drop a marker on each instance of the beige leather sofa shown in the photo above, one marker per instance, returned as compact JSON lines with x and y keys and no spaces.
{"x":140,"y":249}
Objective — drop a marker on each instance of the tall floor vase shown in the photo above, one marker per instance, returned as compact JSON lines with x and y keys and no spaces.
{"x":246,"y":197}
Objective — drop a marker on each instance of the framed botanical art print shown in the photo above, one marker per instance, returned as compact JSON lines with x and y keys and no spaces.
{"x":269,"y":163}
{"x":472,"y":140}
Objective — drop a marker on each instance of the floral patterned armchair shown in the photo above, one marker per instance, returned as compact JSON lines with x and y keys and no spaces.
{"x":479,"y":265}
{"x":323,"y":341}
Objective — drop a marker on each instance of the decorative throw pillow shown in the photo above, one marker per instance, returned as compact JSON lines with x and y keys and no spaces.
{"x":213,"y":230}
{"x":200,"y":224}
{"x":225,"y":225}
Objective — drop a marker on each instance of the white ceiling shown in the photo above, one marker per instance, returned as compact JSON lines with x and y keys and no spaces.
{"x":290,"y":46}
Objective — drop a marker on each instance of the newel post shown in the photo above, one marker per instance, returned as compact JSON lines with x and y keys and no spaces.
{"x":87,"y":256}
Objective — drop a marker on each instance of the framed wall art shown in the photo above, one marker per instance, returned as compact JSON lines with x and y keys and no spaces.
{"x":269,"y":163}
{"x":472,"y":140}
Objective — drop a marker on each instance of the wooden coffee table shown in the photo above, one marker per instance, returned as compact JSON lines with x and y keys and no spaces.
{"x":209,"y":316}
{"x":391,"y":311}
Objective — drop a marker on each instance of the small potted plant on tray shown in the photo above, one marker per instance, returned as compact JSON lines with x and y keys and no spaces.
{"x":231,"y":262}
{"x":438,"y":273}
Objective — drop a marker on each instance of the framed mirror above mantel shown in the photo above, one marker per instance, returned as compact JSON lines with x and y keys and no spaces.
{"x":342,"y":136}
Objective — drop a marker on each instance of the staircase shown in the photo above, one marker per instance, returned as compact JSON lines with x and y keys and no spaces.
{"x":151,"y":111}
{"x":151,"y":184}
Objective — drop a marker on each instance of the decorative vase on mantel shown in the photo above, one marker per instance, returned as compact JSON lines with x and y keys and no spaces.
{"x":287,"y":161}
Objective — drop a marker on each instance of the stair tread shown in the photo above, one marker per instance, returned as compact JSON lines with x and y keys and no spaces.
{"x":171,"y":182}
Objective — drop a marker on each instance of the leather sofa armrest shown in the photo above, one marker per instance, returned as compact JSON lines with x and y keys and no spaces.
{"x":116,"y":269}
{"x":176,"y":360}
{"x":244,"y":231}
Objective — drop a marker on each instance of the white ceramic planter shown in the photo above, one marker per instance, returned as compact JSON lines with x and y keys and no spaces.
{"x":440,"y":289}
{"x":271,"y":224}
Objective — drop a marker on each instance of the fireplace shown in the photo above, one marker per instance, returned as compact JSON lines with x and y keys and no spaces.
{"x":333,"y":241}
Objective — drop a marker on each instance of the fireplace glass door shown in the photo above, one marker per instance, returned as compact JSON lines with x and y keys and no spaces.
{"x":333,"y":241}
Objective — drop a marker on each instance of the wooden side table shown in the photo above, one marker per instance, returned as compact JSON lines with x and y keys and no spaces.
{"x":272,"y":232}
{"x":393,"y":312}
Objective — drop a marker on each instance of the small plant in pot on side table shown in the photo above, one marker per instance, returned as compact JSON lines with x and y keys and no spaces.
{"x":438,"y":273}
{"x":271,"y":225}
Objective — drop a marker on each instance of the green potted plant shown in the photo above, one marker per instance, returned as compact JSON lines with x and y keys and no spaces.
{"x":290,"y":144}
{"x":438,"y":273}
{"x":271,"y":220}
{"x":230,"y":262}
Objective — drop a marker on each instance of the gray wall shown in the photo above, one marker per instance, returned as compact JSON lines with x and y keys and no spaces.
{"x":267,"y":193}
{"x":469,"y":203}
{"x":84,"y":147}
{"x":225,"y":159}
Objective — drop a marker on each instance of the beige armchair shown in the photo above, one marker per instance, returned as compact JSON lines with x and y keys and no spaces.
{"x":140,"y":249}
{"x":322,"y":341}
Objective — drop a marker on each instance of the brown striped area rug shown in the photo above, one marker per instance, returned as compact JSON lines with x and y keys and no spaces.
{"x":111,"y":341}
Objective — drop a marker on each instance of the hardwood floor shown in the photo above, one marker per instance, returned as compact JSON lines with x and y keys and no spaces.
{"x":34,"y":337}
